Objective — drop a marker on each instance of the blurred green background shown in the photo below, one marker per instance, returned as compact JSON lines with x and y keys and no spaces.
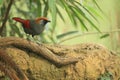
{"x":72,"y":21}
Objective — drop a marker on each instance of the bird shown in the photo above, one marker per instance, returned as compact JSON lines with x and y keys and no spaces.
{"x":33,"y":26}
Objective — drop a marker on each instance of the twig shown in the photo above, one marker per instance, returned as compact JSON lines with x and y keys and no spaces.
{"x":89,"y":33}
{"x":6,"y":16}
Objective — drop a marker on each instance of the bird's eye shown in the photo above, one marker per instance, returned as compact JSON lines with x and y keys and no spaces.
{"x":41,"y":22}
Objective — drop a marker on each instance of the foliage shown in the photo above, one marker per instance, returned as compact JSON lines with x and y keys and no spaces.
{"x":106,"y":76}
{"x":77,"y":11}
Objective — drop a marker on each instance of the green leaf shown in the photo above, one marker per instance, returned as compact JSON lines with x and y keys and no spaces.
{"x":61,"y":16}
{"x":104,"y":36}
{"x":46,"y":8}
{"x":97,"y":13}
{"x":68,"y":10}
{"x":30,"y":5}
{"x":52,"y":7}
{"x":88,"y":11}
{"x":87,"y":18}
{"x":106,"y":76}
{"x":93,"y":24}
{"x":98,"y":6}
{"x":1,"y":2}
{"x":77,"y":13}
{"x":66,"y":34}
{"x":39,"y":8}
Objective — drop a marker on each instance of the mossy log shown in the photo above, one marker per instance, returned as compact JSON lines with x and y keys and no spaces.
{"x":85,"y":61}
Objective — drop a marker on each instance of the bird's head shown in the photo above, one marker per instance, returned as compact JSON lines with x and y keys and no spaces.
{"x":42,"y":20}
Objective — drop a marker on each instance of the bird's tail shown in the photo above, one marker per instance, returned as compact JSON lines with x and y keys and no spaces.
{"x":18,"y":19}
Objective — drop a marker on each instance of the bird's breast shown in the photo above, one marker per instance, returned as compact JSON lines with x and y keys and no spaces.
{"x":36,"y":27}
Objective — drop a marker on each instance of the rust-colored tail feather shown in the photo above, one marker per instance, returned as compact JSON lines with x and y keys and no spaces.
{"x":18,"y":19}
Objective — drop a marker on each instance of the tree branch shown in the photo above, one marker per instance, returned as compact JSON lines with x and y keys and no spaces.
{"x":6,"y":16}
{"x":38,"y":49}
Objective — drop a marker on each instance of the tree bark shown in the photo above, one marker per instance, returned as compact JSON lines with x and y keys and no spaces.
{"x":86,"y":61}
